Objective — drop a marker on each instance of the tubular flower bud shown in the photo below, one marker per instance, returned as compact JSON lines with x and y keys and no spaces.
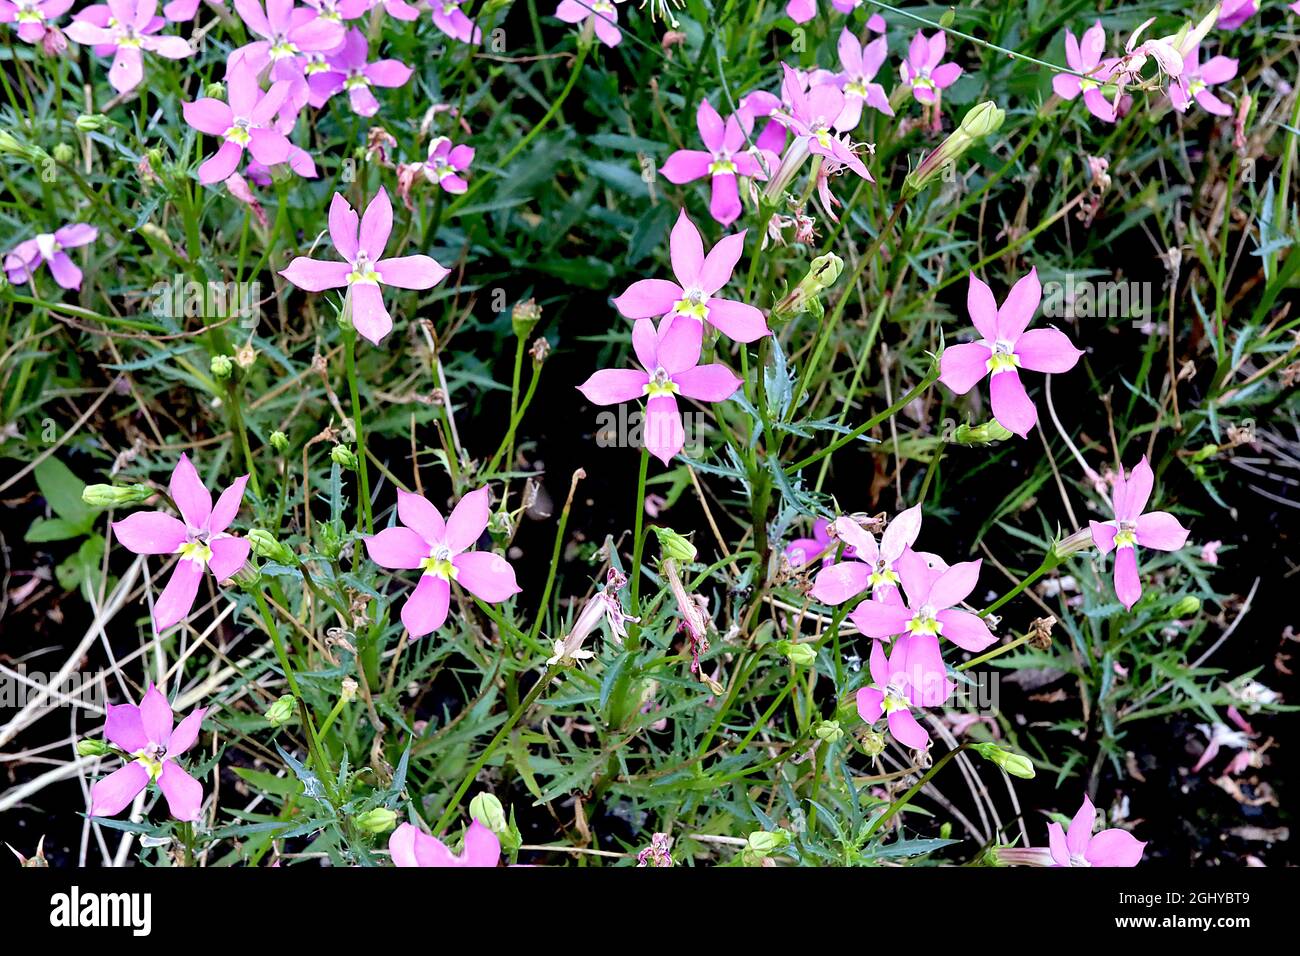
{"x":979,"y":122}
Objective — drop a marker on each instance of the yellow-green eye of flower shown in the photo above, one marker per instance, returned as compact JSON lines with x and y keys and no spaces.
{"x":722,"y":166}
{"x":196,"y":551}
{"x":440,"y":567}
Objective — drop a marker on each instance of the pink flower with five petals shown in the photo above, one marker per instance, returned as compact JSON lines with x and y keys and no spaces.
{"x":723,"y":160}
{"x":442,"y":551}
{"x":931,"y":605}
{"x":22,"y":261}
{"x":147,"y":734}
{"x":363,"y":272}
{"x":246,"y":122}
{"x":349,"y":69}
{"x":699,"y":278}
{"x":1131,"y":527}
{"x":1005,"y":348}
{"x":123,"y":29}
{"x":924,"y":71}
{"x":199,"y":536}
{"x":913,"y":676}
{"x":1195,"y":80}
{"x":858,"y":68}
{"x":669,"y":357}
{"x":872,"y":566}
{"x":1084,"y":56}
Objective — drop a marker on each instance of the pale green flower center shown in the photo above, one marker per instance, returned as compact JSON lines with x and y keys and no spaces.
{"x":197,"y":551}
{"x":363,"y":271}
{"x":1125,"y":537}
{"x":722,"y":166}
{"x":438,"y":564}
{"x":282,"y":49}
{"x":882,"y":576}
{"x":239,"y":132}
{"x":355,"y":80}
{"x":822,"y":133}
{"x":1196,"y":86}
{"x":895,"y":699}
{"x":1085,"y":85}
{"x":151,"y":758}
{"x":1003,"y":359}
{"x":856,"y":88}
{"x":693,"y":303}
{"x":315,"y":64}
{"x":660,"y":384}
{"x":925,"y":622}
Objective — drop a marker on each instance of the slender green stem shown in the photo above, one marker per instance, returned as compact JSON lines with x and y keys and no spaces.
{"x":996,"y":652}
{"x":363,"y":474}
{"x":915,"y":789}
{"x":454,"y":804}
{"x":931,"y":377}
{"x":317,"y":756}
{"x":638,"y":541}
{"x":1049,"y":562}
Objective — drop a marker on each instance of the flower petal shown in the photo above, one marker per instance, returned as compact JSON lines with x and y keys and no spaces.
{"x":421,"y":516}
{"x":228,"y":556}
{"x":961,"y":367}
{"x":1019,"y":308}
{"x":344,"y":223}
{"x":156,"y":716}
{"x":376,"y":226}
{"x":662,"y":431}
{"x":482,"y":848}
{"x":954,"y":584}
{"x":178,"y":596}
{"x":1160,"y":530}
{"x":907,"y":731}
{"x":468,"y":520}
{"x":486,"y":575}
{"x":840,"y":582}
{"x":184,"y":794}
{"x":1115,"y":847}
{"x":871,"y":704}
{"x":878,"y":619}
{"x":150,"y":532}
{"x":369,"y":315}
{"x":686,"y":165}
{"x":1128,"y":585}
{"x":316,"y":275}
{"x":707,"y":383}
{"x":227,"y":506}
{"x":398,"y":548}
{"x":968,"y":631}
{"x":736,"y":320}
{"x":426,"y":609}
{"x":613,"y":385}
{"x":686,"y":249}
{"x":1080,"y":832}
{"x":1046,"y":350}
{"x":108,"y":797}
{"x":186,"y":732}
{"x":1011,"y":405}
{"x":189,"y":493}
{"x":124,"y":727}
{"x":721,"y":262}
{"x":411,"y":272}
{"x":648,"y":298}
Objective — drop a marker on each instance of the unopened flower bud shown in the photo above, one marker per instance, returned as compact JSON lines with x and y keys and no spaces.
{"x":64,"y":153}
{"x":266,"y":545}
{"x":979,"y":122}
{"x":801,"y":655}
{"x":828,"y":730}
{"x":247,"y":577}
{"x":822,"y":274}
{"x":348,"y":690}
{"x":378,"y":820}
{"x":872,"y":742}
{"x":767,"y":842}
{"x":540,"y":350}
{"x":281,"y":712}
{"x":1187,"y":607}
{"x":487,"y":810}
{"x":1081,"y":540}
{"x":990,"y":431}
{"x":524,"y":316}
{"x":115,"y":496}
{"x":1017,"y":765}
{"x":91,"y":122}
{"x":280,"y":441}
{"x":221,"y":366}
{"x":343,"y":456}
{"x":93,"y":748}
{"x":215,"y":90}
{"x":674,"y":546}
